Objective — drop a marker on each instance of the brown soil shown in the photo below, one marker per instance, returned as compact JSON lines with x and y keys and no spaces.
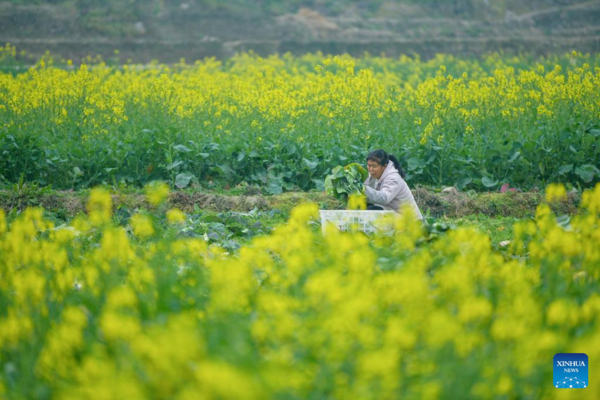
{"x":215,"y":202}
{"x":450,"y":204}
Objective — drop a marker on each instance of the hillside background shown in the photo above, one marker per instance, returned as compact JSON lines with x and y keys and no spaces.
{"x":169,"y":30}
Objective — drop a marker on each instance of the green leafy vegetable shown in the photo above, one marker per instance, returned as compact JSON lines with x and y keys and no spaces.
{"x":345,"y":181}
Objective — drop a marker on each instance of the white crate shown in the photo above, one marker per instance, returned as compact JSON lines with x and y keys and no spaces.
{"x":359,"y":220}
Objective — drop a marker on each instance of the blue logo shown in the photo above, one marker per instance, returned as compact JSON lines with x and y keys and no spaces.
{"x":571,"y":371}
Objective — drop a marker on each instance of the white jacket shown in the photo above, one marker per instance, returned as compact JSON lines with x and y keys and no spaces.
{"x":391,"y":191}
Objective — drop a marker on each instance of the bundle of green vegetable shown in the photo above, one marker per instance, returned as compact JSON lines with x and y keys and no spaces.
{"x":346,"y":181}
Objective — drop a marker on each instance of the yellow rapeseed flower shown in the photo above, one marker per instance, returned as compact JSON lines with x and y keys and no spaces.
{"x":175,"y":216}
{"x":157,"y":193}
{"x":99,"y":206}
{"x":2,"y":222}
{"x":357,"y":202}
{"x":142,"y":226}
{"x":555,"y":192}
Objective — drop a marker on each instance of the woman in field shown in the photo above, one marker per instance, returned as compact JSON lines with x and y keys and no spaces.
{"x":385,"y":187}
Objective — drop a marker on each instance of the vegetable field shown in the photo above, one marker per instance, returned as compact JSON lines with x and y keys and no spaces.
{"x":284,"y":122}
{"x":139,"y":299}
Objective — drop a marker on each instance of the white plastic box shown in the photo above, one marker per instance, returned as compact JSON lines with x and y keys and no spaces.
{"x":359,"y":220}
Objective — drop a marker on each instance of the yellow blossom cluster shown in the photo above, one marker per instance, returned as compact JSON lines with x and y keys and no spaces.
{"x":288,"y":94}
{"x":94,"y":313}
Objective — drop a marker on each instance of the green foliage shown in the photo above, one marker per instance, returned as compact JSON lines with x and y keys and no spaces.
{"x":229,"y":230}
{"x":346,"y":181}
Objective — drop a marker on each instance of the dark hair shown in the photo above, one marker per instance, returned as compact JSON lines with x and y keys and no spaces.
{"x":383,"y":158}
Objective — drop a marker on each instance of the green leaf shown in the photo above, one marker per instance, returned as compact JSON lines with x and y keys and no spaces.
{"x":514,"y":156}
{"x":586,"y":172}
{"x":275,"y":187}
{"x":341,"y":189}
{"x":338,"y":172}
{"x":565,"y":169}
{"x":415,"y":163}
{"x":344,"y":181}
{"x":225,"y":169}
{"x":310,"y":164}
{"x":174,"y":164}
{"x":319,"y":184}
{"x":358,"y":168}
{"x":462,"y":183}
{"x":489,"y":182}
{"x":182,"y":148}
{"x":329,"y":185}
{"x":183,"y":180}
